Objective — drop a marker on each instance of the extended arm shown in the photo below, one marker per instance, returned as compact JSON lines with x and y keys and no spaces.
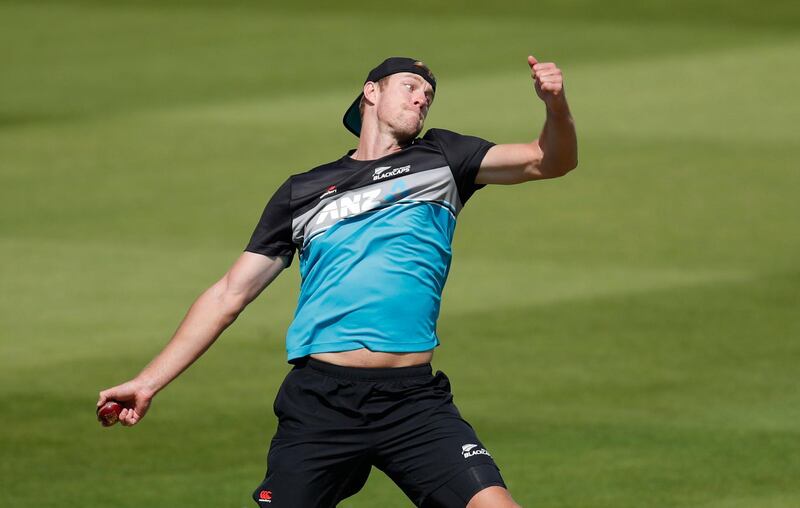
{"x":213,"y":311}
{"x":554,"y":154}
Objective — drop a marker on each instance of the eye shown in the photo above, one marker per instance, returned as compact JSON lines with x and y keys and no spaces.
{"x":408,"y":85}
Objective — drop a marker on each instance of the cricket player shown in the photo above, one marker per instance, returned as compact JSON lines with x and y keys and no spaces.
{"x":373,"y":231}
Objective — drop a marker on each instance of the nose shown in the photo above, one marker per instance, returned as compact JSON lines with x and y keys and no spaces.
{"x":421,"y":100}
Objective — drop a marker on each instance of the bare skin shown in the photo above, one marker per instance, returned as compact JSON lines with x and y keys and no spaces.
{"x":365,"y":358}
{"x":492,"y":497}
{"x":393,"y":116}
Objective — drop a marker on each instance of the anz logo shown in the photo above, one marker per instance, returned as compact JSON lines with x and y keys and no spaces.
{"x":347,"y":205}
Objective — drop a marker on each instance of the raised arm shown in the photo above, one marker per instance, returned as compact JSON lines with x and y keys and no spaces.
{"x":554,"y":154}
{"x":213,"y":311}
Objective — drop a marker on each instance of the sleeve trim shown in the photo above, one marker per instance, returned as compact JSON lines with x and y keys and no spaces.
{"x":273,"y":252}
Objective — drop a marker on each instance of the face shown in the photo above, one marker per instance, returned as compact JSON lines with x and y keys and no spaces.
{"x":402,"y":104}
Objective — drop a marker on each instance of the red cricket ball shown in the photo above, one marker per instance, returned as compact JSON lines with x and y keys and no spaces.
{"x":108,"y":413}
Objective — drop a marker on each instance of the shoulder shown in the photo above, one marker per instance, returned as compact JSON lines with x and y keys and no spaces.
{"x":310,"y":185}
{"x":316,"y":171}
{"x":440,"y":135}
{"x":315,"y":174}
{"x":447,"y":138}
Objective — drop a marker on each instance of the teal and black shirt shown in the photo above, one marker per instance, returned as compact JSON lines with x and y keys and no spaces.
{"x":374,"y":241}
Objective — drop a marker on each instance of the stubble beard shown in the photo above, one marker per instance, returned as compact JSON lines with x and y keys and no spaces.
{"x":407,"y":128}
{"x":403,"y":123}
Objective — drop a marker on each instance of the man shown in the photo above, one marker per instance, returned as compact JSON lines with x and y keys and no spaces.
{"x":373,"y":230}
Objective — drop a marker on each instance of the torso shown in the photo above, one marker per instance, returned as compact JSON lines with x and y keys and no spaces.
{"x":374,"y":239}
{"x":364,"y":358}
{"x":375,"y":246}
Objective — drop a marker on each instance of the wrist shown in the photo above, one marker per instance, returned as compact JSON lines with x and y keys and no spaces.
{"x":149,"y":386}
{"x":558,"y":108}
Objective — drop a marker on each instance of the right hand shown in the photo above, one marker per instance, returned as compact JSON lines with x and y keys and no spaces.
{"x":134,"y":397}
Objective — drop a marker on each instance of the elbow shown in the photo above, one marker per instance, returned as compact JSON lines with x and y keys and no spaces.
{"x":569,"y":165}
{"x":534,"y":169}
{"x":554,"y":168}
{"x":229,"y":304}
{"x":569,"y":161}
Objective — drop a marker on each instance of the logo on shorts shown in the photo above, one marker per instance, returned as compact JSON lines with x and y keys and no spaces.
{"x":468,"y":450}
{"x":387,"y":171}
{"x":265,"y":496}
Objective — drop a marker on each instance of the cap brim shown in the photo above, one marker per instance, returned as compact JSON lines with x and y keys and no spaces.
{"x":352,"y":117}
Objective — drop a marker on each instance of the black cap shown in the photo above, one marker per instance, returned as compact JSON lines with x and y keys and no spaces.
{"x":393,"y":65}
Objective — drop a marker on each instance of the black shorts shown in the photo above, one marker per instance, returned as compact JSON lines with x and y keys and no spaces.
{"x":335,"y":423}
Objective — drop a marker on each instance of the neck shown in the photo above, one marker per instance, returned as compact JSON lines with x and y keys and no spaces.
{"x":374,"y":144}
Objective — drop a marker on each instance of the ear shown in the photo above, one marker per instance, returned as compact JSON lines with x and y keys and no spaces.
{"x":370,"y":92}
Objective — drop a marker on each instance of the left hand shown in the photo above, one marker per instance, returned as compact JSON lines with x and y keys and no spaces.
{"x":548,"y":82}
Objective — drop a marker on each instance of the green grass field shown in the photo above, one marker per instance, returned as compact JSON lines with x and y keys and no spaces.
{"x":628,"y":336}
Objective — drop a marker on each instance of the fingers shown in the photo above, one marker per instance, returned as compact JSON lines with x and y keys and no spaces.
{"x":547,"y":78}
{"x":128,"y":417}
{"x":551,"y":83}
{"x":125,"y":392}
{"x":544,"y":72}
{"x":541,"y":66}
{"x":108,"y":395}
{"x":123,"y":417}
{"x":132,"y":396}
{"x":541,"y":70}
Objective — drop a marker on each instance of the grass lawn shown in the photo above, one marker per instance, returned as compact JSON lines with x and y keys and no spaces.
{"x":627,"y":336}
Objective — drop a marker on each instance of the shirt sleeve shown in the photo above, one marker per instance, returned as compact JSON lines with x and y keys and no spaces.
{"x":464,"y":154}
{"x":273,"y":233}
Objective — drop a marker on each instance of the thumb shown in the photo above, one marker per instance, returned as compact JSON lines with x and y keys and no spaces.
{"x":532,"y":61}
{"x":119,"y":393}
{"x":105,"y":396}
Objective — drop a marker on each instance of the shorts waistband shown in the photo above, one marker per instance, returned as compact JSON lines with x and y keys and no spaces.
{"x":368,"y":374}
